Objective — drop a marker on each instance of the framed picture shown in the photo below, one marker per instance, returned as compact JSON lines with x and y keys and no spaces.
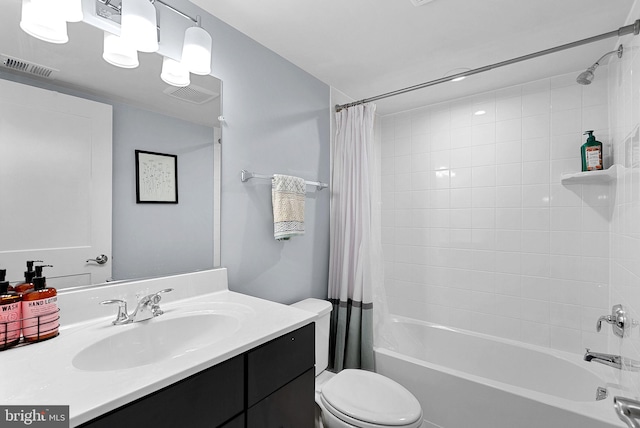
{"x":156,"y":178}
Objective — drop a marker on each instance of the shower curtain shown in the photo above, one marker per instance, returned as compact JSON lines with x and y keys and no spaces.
{"x":355,"y":260}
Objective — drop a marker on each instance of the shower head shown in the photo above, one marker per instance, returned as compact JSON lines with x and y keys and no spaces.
{"x":586,"y":77}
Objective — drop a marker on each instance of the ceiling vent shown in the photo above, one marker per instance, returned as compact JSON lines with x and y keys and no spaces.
{"x":27,"y":67}
{"x":420,"y":2}
{"x":192,"y":93}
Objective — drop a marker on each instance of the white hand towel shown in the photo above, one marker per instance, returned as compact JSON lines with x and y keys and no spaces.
{"x":288,"y":196}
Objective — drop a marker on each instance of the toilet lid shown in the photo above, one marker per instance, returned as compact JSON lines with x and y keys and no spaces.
{"x":371,"y":398}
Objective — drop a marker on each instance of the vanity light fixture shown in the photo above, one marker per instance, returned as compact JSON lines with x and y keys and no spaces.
{"x":196,"y":50}
{"x":119,"y":53}
{"x":43,"y":20}
{"x":480,"y":112}
{"x":174,"y":73}
{"x":71,"y":10}
{"x":139,"y":22}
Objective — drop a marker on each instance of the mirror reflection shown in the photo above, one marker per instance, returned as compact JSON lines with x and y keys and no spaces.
{"x":70,"y":124}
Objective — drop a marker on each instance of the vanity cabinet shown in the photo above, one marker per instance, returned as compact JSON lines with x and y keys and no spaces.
{"x":271,"y":385}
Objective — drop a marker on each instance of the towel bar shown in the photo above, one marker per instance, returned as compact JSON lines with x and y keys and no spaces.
{"x":246,"y":175}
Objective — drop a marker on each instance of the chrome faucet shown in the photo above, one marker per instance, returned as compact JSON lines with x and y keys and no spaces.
{"x":148,"y":307}
{"x":615,"y":361}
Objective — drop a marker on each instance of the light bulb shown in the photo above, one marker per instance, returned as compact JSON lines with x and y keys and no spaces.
{"x":174,"y":73}
{"x":71,"y":10}
{"x":119,"y":53}
{"x":42,"y":20}
{"x":139,"y":25}
{"x":196,"y":51}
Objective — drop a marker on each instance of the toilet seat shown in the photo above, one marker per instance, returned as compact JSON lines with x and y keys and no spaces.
{"x":369,"y":400}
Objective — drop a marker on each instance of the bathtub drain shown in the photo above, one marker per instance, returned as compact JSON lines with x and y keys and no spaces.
{"x":601,"y":393}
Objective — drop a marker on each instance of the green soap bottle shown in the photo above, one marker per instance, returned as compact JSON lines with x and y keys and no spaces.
{"x":591,"y":152}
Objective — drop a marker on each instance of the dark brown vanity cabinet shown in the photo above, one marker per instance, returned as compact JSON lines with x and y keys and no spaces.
{"x":270,"y":386}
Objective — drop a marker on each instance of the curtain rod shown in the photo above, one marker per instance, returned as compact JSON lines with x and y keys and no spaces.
{"x":622,"y":31}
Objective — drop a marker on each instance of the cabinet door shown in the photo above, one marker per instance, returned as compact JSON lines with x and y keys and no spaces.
{"x":206,"y":399}
{"x":237,"y":422}
{"x":278,"y":362}
{"x":292,"y":406}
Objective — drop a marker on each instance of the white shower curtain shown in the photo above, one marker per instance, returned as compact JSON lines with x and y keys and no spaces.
{"x":355,"y":261}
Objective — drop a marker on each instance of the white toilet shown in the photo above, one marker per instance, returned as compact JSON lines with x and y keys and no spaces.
{"x":356,"y":398}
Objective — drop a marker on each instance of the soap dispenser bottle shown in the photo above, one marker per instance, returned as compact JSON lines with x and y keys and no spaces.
{"x":27,"y":285}
{"x":591,"y":152}
{"x":40,"y":310}
{"x":10,"y":314}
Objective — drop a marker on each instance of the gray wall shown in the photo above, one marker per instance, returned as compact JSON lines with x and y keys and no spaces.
{"x":277,"y":121}
{"x":160,"y":239}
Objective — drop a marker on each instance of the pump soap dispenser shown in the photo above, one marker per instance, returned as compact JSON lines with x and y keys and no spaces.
{"x":27,"y":285}
{"x":40,"y":310}
{"x":10,"y":314}
{"x":591,"y":152}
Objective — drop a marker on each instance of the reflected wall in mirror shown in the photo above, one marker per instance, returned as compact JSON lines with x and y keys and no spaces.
{"x":47,"y":185}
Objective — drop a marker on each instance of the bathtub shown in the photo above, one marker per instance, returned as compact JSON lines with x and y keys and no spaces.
{"x":467,"y":379}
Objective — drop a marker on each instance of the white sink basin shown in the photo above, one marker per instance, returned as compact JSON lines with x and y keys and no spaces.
{"x":157,"y":339}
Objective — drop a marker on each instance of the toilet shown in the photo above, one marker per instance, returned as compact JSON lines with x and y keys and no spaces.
{"x":356,"y":398}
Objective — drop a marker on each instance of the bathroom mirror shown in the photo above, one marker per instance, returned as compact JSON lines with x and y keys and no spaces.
{"x":147,"y":114}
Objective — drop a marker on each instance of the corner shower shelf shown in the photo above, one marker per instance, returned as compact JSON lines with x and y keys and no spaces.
{"x":592,"y":177}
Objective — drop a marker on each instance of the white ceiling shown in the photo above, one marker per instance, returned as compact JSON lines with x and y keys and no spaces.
{"x":369,"y":47}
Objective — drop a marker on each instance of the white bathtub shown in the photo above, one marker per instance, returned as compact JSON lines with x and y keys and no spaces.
{"x":465,"y":379}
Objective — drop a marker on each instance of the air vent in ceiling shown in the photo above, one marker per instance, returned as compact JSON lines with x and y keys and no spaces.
{"x":192,"y":93}
{"x":23,"y":66}
{"x":420,"y":2}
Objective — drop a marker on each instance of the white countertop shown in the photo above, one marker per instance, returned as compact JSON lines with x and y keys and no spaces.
{"x":43,"y":373}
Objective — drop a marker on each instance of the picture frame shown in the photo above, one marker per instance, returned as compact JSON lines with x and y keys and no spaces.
{"x":156,"y":178}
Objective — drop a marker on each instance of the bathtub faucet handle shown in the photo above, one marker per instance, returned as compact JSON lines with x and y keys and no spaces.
{"x":605,"y":318}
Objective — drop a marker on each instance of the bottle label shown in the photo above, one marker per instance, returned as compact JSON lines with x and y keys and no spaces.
{"x":594,"y":158}
{"x":10,"y":324}
{"x":39,"y":317}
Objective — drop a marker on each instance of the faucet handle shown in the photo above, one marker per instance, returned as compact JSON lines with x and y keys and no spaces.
{"x":155,"y":297}
{"x":605,"y":318}
{"x":123,"y":316}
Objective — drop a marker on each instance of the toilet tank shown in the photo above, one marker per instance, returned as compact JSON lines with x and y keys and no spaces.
{"x":322,"y":309}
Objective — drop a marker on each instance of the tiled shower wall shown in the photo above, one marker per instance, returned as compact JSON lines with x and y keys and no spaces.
{"x":478,"y":230}
{"x":624,"y":102}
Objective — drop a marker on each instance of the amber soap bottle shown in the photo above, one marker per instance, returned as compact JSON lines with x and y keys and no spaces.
{"x":10,"y":314}
{"x":40,"y":312}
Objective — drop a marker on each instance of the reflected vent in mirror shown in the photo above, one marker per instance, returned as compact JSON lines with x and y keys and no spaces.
{"x":27,"y":67}
{"x":192,"y":93}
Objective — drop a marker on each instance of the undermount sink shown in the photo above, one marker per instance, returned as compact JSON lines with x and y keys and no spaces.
{"x":155,"y":340}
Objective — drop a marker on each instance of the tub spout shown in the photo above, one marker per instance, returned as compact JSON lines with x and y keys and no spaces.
{"x":615,"y":361}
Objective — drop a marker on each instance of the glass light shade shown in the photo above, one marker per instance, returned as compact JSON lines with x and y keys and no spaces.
{"x":117,"y":52}
{"x":174,"y":73}
{"x":196,"y":51}
{"x":42,"y":20}
{"x":71,"y":10}
{"x":139,"y":25}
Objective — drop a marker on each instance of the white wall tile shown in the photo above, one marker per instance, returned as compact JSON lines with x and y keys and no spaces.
{"x":480,"y":233}
{"x":483,"y":176}
{"x":509,"y":130}
{"x":566,"y":98}
{"x":509,"y":152}
{"x":460,"y":137}
{"x":566,"y":121}
{"x":509,"y":108}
